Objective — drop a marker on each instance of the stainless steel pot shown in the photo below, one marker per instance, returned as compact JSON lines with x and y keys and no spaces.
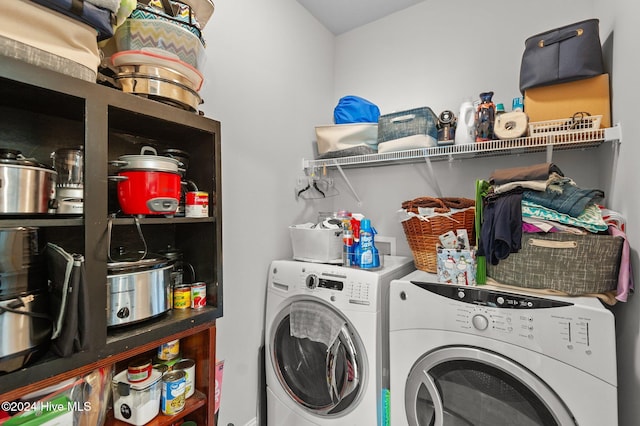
{"x":26,"y":329}
{"x":137,"y":290}
{"x":26,"y":186}
{"x":158,"y":83}
{"x":22,"y":264}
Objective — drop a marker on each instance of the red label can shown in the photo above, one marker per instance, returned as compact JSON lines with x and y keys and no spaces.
{"x":198,"y":295}
{"x":196,"y":204}
{"x":139,"y":370}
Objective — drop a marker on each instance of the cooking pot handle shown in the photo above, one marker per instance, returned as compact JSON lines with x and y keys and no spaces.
{"x":118,"y":163}
{"x":110,"y":228}
{"x":19,"y":302}
{"x":191,"y":186}
{"x":118,"y":178}
{"x":148,"y":149}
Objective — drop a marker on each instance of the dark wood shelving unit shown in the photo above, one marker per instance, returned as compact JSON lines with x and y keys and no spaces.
{"x":42,"y":111}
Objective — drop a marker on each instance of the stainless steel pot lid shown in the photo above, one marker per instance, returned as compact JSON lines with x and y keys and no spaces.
{"x":15,"y":157}
{"x":128,"y":262}
{"x":147,"y":160}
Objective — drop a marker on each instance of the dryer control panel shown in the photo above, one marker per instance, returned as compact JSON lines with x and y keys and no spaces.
{"x":491,"y":298}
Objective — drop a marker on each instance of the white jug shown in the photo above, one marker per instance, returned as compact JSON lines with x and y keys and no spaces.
{"x":466,"y":127}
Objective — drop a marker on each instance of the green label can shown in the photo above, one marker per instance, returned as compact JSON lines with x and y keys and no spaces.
{"x":173,"y":392}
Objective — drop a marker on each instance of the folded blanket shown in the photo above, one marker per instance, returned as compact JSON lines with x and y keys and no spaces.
{"x":536,"y":172}
{"x":590,"y":219}
{"x":564,"y":197}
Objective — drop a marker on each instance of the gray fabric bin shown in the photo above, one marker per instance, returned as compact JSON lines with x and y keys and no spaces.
{"x":574,"y":264}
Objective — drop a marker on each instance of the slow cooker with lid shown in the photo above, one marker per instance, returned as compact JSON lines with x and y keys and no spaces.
{"x":137,"y":289}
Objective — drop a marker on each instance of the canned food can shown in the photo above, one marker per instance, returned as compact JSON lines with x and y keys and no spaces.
{"x":173,"y":390}
{"x":168,"y":363}
{"x":198,"y":295}
{"x":196,"y":204}
{"x":162,"y":368}
{"x":189,"y":367}
{"x":182,"y":297}
{"x":139,"y":370}
{"x":169,"y":350}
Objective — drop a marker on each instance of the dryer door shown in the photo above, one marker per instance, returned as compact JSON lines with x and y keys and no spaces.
{"x":465,"y":386}
{"x":318,"y":358}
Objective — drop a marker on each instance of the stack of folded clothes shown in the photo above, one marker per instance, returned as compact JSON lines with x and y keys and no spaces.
{"x":527,"y":205}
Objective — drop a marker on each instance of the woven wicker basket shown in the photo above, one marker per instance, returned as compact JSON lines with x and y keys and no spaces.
{"x":423,"y":235}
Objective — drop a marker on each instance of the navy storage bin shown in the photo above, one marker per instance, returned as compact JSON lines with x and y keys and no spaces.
{"x":409,"y":129}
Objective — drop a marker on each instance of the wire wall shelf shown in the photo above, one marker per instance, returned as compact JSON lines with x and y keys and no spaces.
{"x":581,"y":139}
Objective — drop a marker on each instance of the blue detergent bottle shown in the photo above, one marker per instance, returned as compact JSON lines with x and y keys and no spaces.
{"x":368,"y":256}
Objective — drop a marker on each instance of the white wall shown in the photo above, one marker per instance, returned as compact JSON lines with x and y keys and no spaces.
{"x":620,"y":22}
{"x":273,"y":74}
{"x":268,"y":77}
{"x":413,"y":59}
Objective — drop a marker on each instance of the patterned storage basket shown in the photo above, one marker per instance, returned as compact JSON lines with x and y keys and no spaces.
{"x":450,"y":214}
{"x":572,"y":264}
{"x":142,"y":34}
{"x":181,"y":14}
{"x":411,"y":129}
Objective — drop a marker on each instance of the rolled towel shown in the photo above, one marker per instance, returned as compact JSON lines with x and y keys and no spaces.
{"x":458,"y":202}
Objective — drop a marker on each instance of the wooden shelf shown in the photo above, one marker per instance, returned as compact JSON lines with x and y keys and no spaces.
{"x":108,"y":124}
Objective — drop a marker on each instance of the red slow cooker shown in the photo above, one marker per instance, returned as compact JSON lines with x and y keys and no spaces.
{"x":148,"y":184}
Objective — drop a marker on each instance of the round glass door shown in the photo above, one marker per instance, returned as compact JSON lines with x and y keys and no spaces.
{"x":322,"y":371}
{"x":464,"y":386}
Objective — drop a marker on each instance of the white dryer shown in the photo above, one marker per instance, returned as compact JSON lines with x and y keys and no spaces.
{"x":326,"y":343}
{"x":484,"y":356}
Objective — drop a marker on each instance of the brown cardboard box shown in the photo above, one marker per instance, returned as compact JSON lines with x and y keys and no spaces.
{"x":563,"y":100}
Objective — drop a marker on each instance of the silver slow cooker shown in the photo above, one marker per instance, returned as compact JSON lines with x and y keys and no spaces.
{"x":137,"y":290}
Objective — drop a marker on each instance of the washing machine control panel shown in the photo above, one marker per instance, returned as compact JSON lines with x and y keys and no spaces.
{"x":491,"y":298}
{"x":313,"y":281}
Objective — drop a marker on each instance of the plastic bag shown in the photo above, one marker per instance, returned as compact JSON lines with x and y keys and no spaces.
{"x":354,"y":109}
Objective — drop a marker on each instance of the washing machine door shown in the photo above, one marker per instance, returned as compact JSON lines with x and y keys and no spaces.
{"x":321,"y":368}
{"x":465,"y":386}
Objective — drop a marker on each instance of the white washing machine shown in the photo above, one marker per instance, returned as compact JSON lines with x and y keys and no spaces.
{"x":485,"y":356}
{"x":326,"y":343}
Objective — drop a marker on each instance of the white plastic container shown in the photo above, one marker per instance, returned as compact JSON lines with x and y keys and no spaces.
{"x":136,"y":403}
{"x":466,"y":127}
{"x":316,"y":244}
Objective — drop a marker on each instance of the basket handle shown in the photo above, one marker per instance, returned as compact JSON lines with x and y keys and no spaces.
{"x":437,"y":203}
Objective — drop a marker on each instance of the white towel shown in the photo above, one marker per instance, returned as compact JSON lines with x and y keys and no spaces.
{"x":310,"y":320}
